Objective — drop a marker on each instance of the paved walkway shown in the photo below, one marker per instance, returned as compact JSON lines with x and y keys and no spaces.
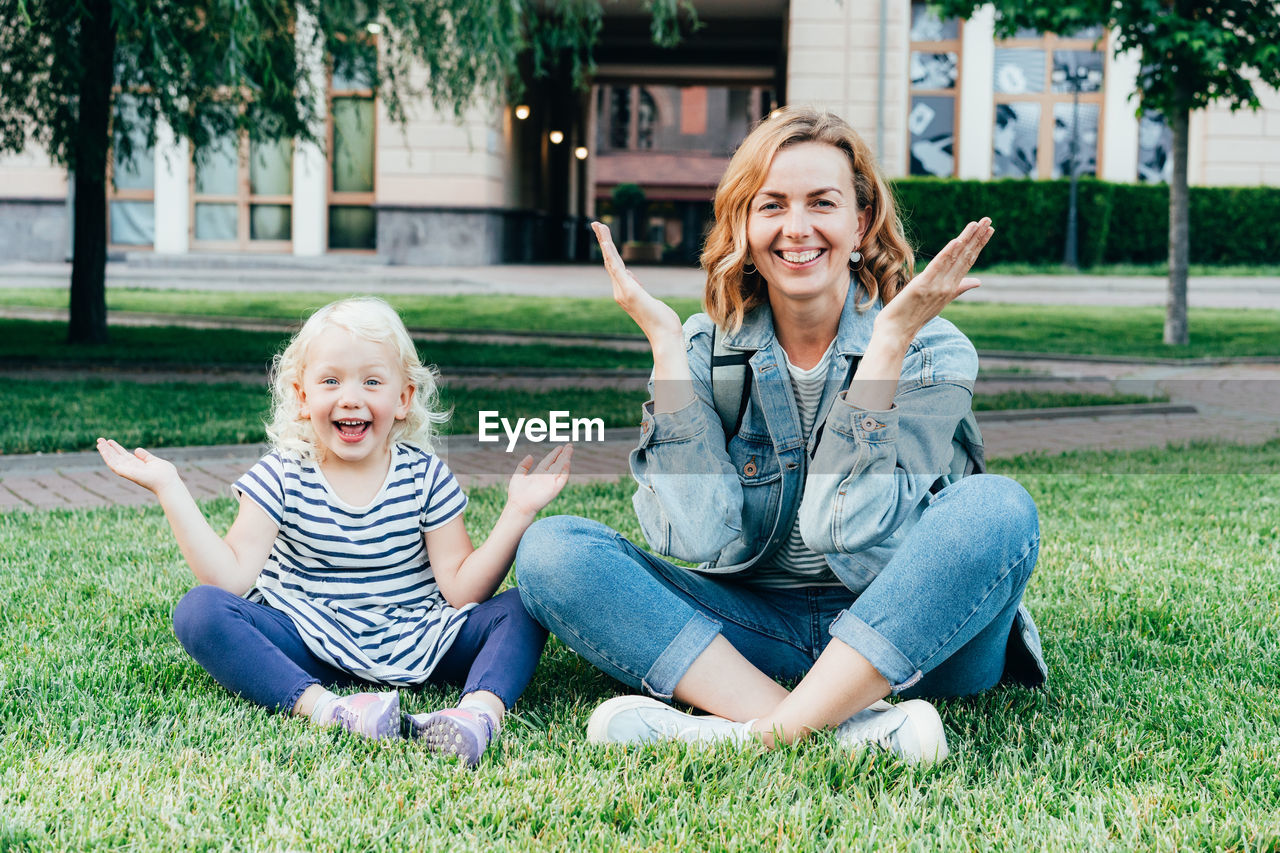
{"x":353,"y":275}
{"x":1232,"y":403}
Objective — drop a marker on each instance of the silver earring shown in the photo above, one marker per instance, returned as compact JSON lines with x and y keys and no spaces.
{"x":855,"y":260}
{"x":747,"y":267}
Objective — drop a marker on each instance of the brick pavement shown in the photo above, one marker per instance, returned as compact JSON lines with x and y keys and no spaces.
{"x":1234,"y":403}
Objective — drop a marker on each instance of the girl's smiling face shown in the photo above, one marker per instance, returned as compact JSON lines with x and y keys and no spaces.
{"x":353,"y":391}
{"x":804,"y":222}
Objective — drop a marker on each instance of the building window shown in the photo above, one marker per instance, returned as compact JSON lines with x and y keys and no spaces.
{"x":709,"y":120}
{"x":1048,"y":95}
{"x":934,"y":70}
{"x":352,"y":157}
{"x":243,"y":195}
{"x":1155,"y":148}
{"x":131,"y":207}
{"x":632,"y":115}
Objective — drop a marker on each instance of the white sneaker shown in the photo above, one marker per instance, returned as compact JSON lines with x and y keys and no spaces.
{"x":911,"y":730}
{"x":639,"y":719}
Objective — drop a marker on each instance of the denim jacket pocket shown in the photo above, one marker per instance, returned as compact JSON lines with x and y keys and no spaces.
{"x":754,"y":459}
{"x":760,"y":476}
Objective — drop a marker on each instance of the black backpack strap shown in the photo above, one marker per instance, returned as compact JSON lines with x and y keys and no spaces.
{"x":731,"y":386}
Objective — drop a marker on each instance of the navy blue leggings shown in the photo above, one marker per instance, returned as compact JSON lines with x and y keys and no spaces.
{"x":255,"y":651}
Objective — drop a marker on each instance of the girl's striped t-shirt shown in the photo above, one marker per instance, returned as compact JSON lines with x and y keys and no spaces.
{"x":357,"y":581}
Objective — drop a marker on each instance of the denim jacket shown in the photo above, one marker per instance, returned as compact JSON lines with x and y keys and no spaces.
{"x":859,"y":485}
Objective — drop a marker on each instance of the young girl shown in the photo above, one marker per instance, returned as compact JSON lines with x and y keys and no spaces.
{"x":349,"y":563}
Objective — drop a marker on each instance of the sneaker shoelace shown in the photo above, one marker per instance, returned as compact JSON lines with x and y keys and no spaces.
{"x":683,"y":728}
{"x":346,"y":717}
{"x":880,"y":733}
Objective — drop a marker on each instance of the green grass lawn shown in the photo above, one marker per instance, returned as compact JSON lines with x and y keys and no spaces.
{"x":27,"y":342}
{"x":62,"y":416}
{"x":1159,"y":729}
{"x":499,"y":311}
{"x":1085,"y":330}
{"x":443,"y":311}
{"x":68,"y":415}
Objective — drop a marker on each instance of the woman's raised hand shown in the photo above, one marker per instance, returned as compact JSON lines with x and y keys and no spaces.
{"x":533,"y":488}
{"x":141,"y":467}
{"x":672,"y":387}
{"x":656,"y":319}
{"x":944,"y":279}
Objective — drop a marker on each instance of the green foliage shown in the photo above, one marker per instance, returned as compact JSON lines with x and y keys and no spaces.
{"x":1119,"y":223}
{"x":626,"y":197}
{"x":217,"y":69}
{"x":1192,"y":53}
{"x":211,"y":68}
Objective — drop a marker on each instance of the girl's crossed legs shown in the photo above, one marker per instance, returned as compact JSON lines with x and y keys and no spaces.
{"x":935,"y":621}
{"x":255,"y":651}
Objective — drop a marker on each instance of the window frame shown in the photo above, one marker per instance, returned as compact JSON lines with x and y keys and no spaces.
{"x":244,"y":199}
{"x":128,"y":195}
{"x":942,"y":46}
{"x":1049,"y":43}
{"x":346,"y":198}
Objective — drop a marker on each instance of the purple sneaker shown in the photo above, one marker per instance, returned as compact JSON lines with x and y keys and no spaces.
{"x":374,"y":715}
{"x":453,"y":731}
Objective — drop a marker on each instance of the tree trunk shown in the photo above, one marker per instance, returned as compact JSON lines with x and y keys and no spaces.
{"x":1175,"y":318}
{"x":88,"y":314}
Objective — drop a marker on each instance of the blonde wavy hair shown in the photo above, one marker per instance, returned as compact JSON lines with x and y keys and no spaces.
{"x":374,"y":320}
{"x":888,"y":261}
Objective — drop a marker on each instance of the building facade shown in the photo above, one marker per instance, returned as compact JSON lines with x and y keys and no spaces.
{"x":516,"y":182}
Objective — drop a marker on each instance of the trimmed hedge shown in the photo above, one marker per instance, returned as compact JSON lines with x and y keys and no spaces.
{"x":1117,"y":223}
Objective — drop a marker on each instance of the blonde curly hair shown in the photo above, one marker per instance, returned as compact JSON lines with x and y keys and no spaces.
{"x":372,"y":319}
{"x":888,"y":261}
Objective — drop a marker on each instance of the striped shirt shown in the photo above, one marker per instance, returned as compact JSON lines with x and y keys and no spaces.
{"x":356,"y":581}
{"x":795,"y":564}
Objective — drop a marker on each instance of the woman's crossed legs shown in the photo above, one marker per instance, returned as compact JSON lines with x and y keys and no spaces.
{"x":935,"y":621}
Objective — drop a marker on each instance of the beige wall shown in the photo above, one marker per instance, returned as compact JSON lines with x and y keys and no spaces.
{"x":833,"y":62}
{"x":31,"y":175}
{"x":1236,"y":149}
{"x":436,"y":160}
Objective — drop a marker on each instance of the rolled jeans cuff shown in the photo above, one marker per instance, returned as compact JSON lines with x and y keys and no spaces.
{"x":896,"y":668}
{"x":661,"y":679}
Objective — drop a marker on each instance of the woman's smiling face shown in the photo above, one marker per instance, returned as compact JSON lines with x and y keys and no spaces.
{"x":805,"y":221}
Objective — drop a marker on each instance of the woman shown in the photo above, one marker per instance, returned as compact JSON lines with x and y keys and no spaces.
{"x":841,"y":542}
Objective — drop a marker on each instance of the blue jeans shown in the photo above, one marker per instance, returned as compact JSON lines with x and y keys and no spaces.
{"x":935,"y":621}
{"x":255,"y":651}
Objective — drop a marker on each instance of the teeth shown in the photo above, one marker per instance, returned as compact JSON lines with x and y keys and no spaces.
{"x":801,"y":257}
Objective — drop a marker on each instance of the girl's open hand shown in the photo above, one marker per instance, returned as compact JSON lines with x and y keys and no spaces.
{"x":141,"y":467}
{"x":944,"y":279}
{"x":531,"y":490}
{"x":654,"y":317}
